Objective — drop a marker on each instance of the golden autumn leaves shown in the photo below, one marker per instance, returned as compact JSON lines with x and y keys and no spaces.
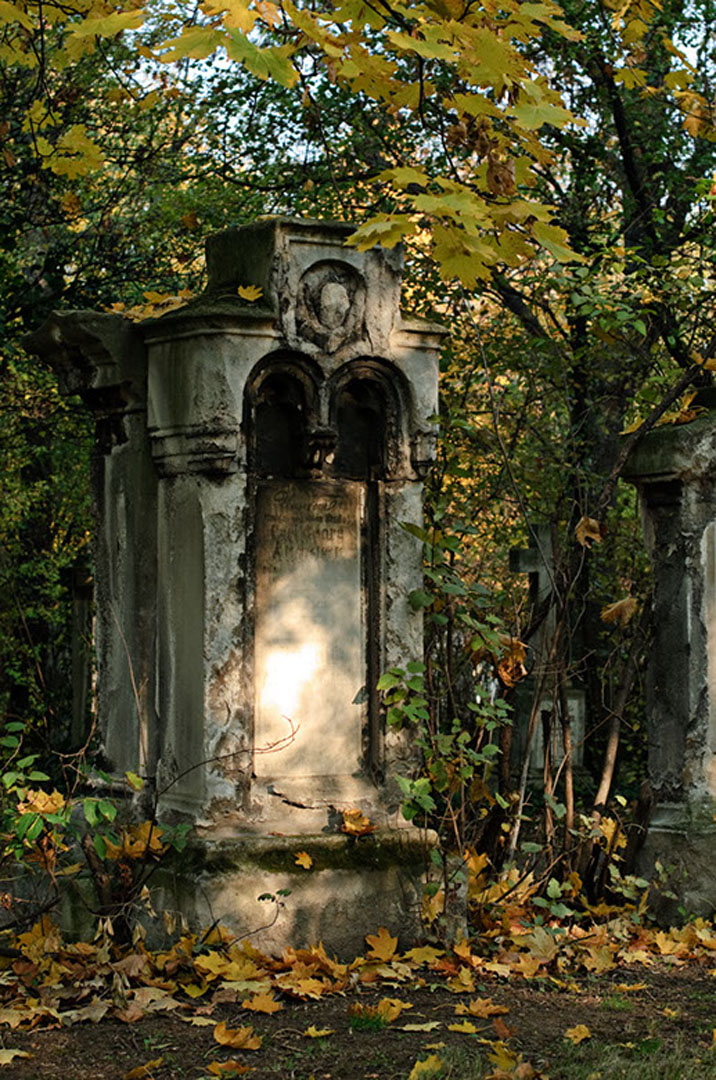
{"x":589,"y":531}
{"x":54,"y":983}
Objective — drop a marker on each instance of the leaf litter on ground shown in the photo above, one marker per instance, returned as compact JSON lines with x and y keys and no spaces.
{"x":53,"y":983}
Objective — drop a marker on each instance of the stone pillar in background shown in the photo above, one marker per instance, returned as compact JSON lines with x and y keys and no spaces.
{"x":258,"y":460}
{"x":674,"y":469}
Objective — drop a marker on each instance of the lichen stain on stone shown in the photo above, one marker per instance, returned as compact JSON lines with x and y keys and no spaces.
{"x":223,"y":691}
{"x":232,"y":756}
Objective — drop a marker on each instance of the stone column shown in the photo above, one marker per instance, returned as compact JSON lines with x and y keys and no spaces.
{"x":102,"y":358}
{"x":674,"y":469}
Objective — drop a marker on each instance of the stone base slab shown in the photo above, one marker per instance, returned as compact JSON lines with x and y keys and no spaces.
{"x":688,"y":862}
{"x":354,"y":886}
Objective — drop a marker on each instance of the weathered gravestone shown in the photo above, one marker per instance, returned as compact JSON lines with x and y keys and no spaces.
{"x":674,"y":469}
{"x":255,"y":461}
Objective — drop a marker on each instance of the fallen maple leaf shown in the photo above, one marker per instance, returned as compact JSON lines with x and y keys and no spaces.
{"x":144,"y":1071}
{"x":242,"y":1038}
{"x":481,"y":1007}
{"x":228,"y":1068}
{"x":382,"y":945}
{"x":391,"y":1008}
{"x":6,"y":1056}
{"x":262,"y":1003}
{"x":304,"y":859}
{"x":578,"y":1033}
{"x":588,"y":530}
{"x":424,"y":955}
{"x":464,"y":1027}
{"x":429,"y":1066}
{"x":317,"y":1033}
{"x":250,"y":292}
{"x":503,"y":1058}
{"x":355,"y":823}
{"x":463,"y":983}
{"x":130,"y":1014}
{"x":429,"y":1025}
{"x":501,"y":1029}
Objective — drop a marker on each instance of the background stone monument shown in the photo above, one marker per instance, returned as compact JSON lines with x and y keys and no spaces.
{"x":537,"y":560}
{"x":255,"y":461}
{"x":674,"y":469}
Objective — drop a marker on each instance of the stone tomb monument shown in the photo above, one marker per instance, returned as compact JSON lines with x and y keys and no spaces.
{"x":255,"y":461}
{"x":674,"y":469}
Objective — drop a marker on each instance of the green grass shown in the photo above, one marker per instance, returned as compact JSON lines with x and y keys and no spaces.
{"x":647,"y":1059}
{"x":617,"y":1003}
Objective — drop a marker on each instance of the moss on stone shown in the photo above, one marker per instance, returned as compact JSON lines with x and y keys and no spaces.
{"x":379,"y":851}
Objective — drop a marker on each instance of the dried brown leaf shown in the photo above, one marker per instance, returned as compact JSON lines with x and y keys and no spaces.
{"x":588,"y":529}
{"x":621,"y":611}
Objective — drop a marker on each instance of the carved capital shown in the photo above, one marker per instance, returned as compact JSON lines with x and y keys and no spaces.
{"x":98,"y":355}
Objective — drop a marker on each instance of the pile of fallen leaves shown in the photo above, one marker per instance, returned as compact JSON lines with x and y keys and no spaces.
{"x":47,"y":982}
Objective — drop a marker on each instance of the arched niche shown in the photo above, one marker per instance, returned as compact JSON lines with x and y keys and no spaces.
{"x":367,"y":409}
{"x":279,"y":404}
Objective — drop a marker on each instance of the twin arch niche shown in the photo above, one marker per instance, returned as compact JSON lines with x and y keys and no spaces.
{"x":319,"y":458}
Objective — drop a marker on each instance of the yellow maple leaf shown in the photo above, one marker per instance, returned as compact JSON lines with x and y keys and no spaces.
{"x":355,"y":823}
{"x":426,"y":1067}
{"x":382,"y":945}
{"x":142,"y":1072}
{"x":426,"y":954}
{"x":464,"y":1027}
{"x":578,"y":1033}
{"x":391,"y":1008}
{"x":502,"y":1057}
{"x":313,"y":1032}
{"x":6,"y":1056}
{"x":228,"y":1068}
{"x":462,"y":983}
{"x":629,"y":988}
{"x":481,"y":1007}
{"x":304,"y":859}
{"x":263,"y":1003}
{"x":588,"y":530}
{"x":137,"y":842}
{"x":527,"y":966}
{"x":242,"y":1038}
{"x":41,"y":802}
{"x":621,"y":611}
{"x":250,"y":292}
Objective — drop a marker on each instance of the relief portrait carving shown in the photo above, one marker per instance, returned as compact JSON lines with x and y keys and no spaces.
{"x":330,"y":310}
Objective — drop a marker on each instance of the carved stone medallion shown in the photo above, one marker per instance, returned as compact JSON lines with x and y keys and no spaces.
{"x":330,"y":306}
